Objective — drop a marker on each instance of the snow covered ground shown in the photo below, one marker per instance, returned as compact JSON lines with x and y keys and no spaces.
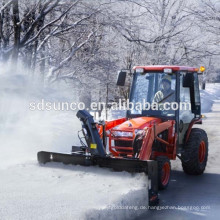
{"x":54,"y":191}
{"x":209,"y":96}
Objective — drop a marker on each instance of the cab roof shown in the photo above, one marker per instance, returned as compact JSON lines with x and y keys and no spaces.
{"x":162,"y":67}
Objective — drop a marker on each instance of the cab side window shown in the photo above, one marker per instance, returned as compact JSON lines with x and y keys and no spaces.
{"x":186,"y":115}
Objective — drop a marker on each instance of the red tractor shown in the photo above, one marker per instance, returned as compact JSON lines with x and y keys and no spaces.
{"x":148,"y":137}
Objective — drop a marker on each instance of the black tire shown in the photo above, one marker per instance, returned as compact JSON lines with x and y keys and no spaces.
{"x":164,"y":170}
{"x":195,"y":154}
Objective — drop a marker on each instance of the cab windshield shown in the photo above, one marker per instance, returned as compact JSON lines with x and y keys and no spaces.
{"x":151,"y":88}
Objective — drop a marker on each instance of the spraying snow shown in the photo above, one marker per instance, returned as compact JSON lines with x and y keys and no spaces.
{"x":53,"y":191}
{"x":24,"y":132}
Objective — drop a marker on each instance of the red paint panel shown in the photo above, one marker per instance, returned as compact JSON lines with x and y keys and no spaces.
{"x":162,"y":67}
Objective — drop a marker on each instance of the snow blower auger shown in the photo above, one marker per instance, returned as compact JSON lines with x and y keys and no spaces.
{"x":94,"y":153}
{"x":150,"y":136}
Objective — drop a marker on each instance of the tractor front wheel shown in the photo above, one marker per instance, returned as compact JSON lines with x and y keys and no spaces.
{"x":195,"y":154}
{"x":164,"y":170}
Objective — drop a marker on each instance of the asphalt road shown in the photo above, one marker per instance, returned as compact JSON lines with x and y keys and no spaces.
{"x":194,"y":197}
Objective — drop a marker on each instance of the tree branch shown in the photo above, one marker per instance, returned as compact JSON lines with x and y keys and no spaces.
{"x":73,"y":51}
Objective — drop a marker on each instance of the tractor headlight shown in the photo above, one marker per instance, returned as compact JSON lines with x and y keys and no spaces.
{"x":139,"y":70}
{"x":140,"y":132}
{"x":127,"y":134}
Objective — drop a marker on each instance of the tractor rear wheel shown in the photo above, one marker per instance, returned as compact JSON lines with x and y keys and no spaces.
{"x":164,"y":170}
{"x":195,"y":154}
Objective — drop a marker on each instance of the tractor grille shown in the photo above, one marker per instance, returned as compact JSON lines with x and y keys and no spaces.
{"x":123,"y":144}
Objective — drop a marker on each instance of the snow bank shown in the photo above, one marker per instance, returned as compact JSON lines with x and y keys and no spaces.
{"x":211,"y":93}
{"x":53,"y":191}
{"x":56,"y":191}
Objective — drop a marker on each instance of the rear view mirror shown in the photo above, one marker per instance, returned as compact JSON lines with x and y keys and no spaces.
{"x":188,"y":80}
{"x":121,"y":78}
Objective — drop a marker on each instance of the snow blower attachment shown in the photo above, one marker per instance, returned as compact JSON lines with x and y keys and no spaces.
{"x":147,"y":138}
{"x":94,"y":153}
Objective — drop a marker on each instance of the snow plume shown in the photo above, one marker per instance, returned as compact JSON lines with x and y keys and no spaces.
{"x":24,"y":132}
{"x":54,"y":191}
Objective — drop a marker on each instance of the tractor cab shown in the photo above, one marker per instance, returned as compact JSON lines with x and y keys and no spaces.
{"x":165,"y":92}
{"x":151,"y":90}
